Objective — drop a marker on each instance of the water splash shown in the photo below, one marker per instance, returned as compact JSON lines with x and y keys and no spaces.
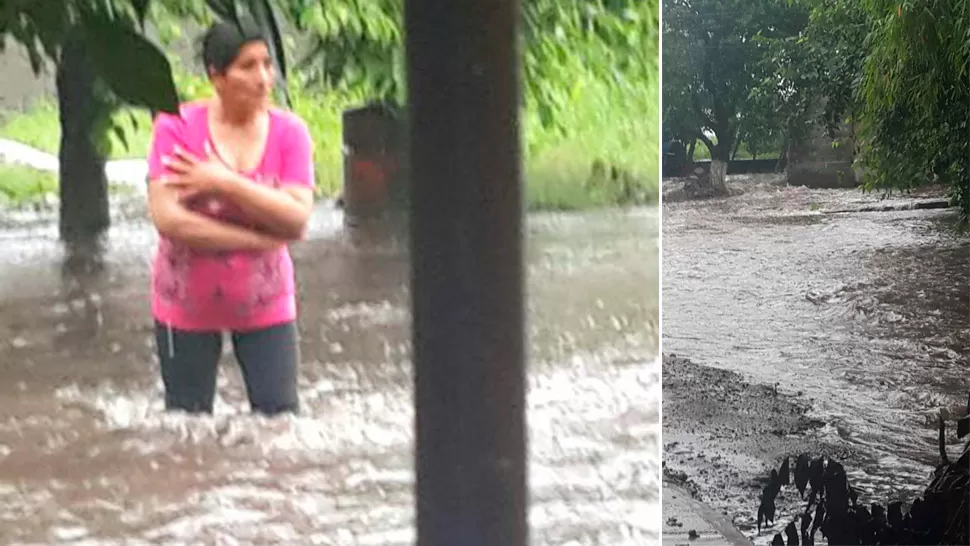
{"x":89,"y":456}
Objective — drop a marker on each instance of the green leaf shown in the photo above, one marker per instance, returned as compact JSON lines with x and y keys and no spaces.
{"x":265,"y":16}
{"x":225,"y":9}
{"x":141,"y":10}
{"x":270,"y":21}
{"x":36,"y":60}
{"x":47,"y":22}
{"x":121,"y":135}
{"x":135,"y":70}
{"x":135,"y":124}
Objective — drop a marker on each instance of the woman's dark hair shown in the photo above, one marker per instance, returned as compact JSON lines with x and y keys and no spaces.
{"x":224,"y":40}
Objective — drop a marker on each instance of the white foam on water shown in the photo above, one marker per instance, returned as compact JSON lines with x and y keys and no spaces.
{"x":353,"y":420}
{"x":371,"y":314}
{"x":69,"y":533}
{"x":593,"y":441}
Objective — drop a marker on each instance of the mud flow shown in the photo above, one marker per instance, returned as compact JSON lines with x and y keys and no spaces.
{"x":840,"y":333}
{"x":88,"y":457}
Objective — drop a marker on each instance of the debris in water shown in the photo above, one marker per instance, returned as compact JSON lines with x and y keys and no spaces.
{"x":940,"y":516}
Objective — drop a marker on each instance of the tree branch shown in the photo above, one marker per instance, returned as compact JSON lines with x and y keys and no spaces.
{"x":707,"y":142}
{"x":706,"y":119}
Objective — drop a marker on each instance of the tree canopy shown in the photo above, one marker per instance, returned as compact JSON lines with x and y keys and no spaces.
{"x":590,"y":76}
{"x":112,"y":32}
{"x":915,"y":91}
{"x":898,"y":71}
{"x":712,"y":61}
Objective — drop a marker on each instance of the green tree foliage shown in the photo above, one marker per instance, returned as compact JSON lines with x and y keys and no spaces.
{"x":896,"y":71}
{"x":615,"y":40}
{"x":590,"y":74}
{"x":811,"y":74}
{"x":588,"y":66}
{"x":112,"y":35}
{"x":96,"y":46}
{"x":915,"y":87}
{"x":352,"y":44}
{"x":714,"y":55}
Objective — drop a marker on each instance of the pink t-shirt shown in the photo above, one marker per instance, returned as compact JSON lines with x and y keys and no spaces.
{"x":204,"y":290}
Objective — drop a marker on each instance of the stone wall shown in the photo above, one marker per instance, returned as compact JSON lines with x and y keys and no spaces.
{"x":19,"y":87}
{"x":817,"y":164}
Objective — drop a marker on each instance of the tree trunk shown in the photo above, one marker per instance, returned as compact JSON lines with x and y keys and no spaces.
{"x":783,"y":155}
{"x":737,"y":148}
{"x":84,"y":212}
{"x":719,"y":175}
{"x":720,"y":156}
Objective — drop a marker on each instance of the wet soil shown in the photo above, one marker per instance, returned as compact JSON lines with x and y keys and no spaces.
{"x":722,"y":434}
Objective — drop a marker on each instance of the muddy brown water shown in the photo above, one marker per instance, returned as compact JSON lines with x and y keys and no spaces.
{"x":866,"y":317}
{"x":88,"y":457}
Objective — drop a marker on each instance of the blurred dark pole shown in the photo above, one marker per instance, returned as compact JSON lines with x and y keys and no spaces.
{"x":467,"y":278}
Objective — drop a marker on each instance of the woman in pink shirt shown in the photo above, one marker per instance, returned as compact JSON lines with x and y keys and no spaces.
{"x":231,"y":183}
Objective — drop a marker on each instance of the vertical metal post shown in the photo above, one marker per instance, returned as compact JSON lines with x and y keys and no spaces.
{"x":467,"y":278}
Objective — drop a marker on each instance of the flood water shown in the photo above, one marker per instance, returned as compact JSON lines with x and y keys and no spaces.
{"x":88,"y":457}
{"x":867,"y":315}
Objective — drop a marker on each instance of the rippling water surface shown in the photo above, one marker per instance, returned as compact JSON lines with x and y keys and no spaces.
{"x":88,"y":457}
{"x":868,"y":314}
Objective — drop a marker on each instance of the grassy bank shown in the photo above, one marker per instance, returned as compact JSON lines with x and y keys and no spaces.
{"x":606,"y":151}
{"x":702,"y":153}
{"x":603,"y":150}
{"x":22,"y":185}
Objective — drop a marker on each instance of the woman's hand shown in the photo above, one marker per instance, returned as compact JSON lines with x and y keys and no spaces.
{"x":175,"y":221}
{"x":194,"y":176}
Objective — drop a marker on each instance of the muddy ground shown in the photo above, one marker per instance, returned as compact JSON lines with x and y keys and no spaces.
{"x":722,"y":435}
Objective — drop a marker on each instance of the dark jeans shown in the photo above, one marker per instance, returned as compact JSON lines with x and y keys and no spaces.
{"x":268,"y":358}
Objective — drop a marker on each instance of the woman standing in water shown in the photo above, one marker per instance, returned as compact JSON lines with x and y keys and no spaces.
{"x":231,"y":183}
